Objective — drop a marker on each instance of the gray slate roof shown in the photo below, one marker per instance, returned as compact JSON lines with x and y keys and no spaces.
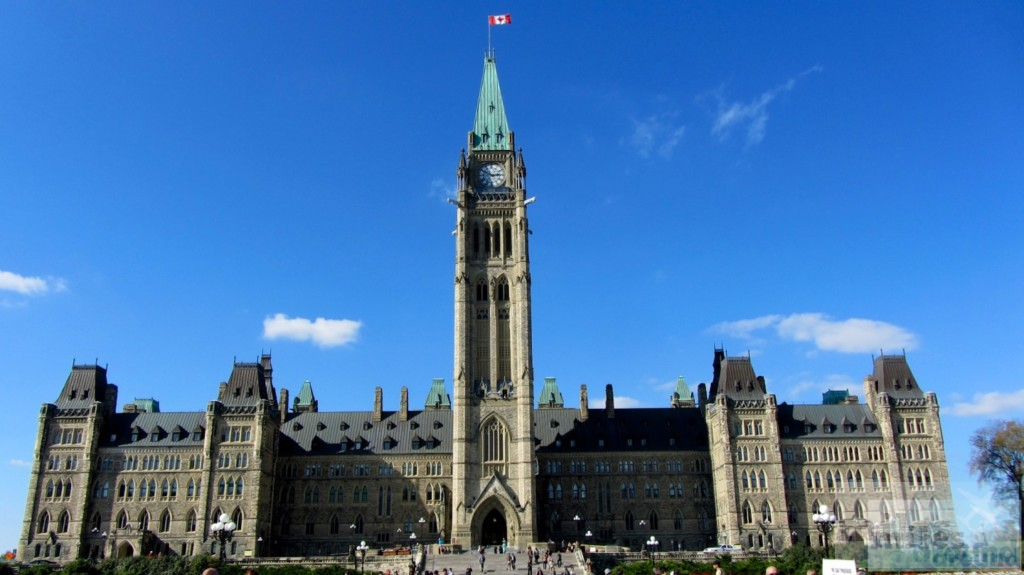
{"x":635,"y":429}
{"x":121,"y":426}
{"x":794,"y":417}
{"x":355,"y":432}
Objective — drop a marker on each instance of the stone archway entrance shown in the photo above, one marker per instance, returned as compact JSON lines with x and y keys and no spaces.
{"x":125,"y":549}
{"x":494,"y":528}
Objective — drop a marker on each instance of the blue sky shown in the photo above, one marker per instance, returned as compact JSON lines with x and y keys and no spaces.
{"x":187,"y":183}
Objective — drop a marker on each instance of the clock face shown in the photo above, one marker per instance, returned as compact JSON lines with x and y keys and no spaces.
{"x":492,"y":175}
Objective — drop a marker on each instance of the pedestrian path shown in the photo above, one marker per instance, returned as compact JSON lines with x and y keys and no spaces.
{"x":496,"y":563}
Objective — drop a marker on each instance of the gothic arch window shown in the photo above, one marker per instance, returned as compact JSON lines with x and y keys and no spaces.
{"x":131,"y":489}
{"x":122,"y":520}
{"x":335,"y":524}
{"x":476,"y":241}
{"x":874,"y":480}
{"x":494,"y":446}
{"x":748,"y":513}
{"x":810,"y":482}
{"x":629,"y":520}
{"x":745,"y":481}
{"x":359,"y":523}
{"x":97,"y":520}
{"x":702,"y":519}
{"x":817,"y":480}
{"x":191,"y":489}
{"x":860,"y":481}
{"x":239,"y":484}
{"x":165,"y":521}
{"x":63,"y":522}
{"x":174,"y":489}
{"x":507,"y":244}
{"x":432,"y":524}
{"x":858,"y":510}
{"x":762,"y":480}
{"x":677,"y":520}
{"x":829,"y":482}
{"x":839,"y":481}
{"x":190,"y":521}
{"x":935,"y":514}
{"x":144,"y":520}
{"x":238,"y":518}
{"x":883,"y":509}
{"x":915,"y":511}
{"x":837,"y":510}
{"x":766,"y":512}
{"x":652,"y":519}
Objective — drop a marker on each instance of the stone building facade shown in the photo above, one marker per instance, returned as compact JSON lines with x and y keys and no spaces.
{"x":732,"y":465}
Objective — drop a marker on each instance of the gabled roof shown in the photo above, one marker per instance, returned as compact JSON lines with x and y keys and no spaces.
{"x":490,"y":127}
{"x":892,"y":375}
{"x":809,"y":421}
{"x":633,"y":429}
{"x":248,"y":385}
{"x":331,"y":432}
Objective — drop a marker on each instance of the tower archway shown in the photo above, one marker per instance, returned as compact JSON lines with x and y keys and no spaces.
{"x":494,"y":528}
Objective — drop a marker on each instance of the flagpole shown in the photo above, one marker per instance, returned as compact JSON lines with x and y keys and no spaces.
{"x":488,"y":37}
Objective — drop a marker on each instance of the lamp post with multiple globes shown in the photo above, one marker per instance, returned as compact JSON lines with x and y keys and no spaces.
{"x":362,"y":549}
{"x":221,"y":531}
{"x":824,"y":520}
{"x":652,"y":544}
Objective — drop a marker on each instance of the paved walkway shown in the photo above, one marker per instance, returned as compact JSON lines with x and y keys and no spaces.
{"x":459,"y":563}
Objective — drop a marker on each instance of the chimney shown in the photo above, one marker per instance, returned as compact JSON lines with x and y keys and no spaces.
{"x":584,"y":408}
{"x":403,"y":411}
{"x":284,"y":404}
{"x":609,"y":401}
{"x":378,"y":404}
{"x":702,"y":397}
{"x":222,"y":391}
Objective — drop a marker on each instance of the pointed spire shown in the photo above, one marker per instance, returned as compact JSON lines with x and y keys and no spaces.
{"x":682,"y":397}
{"x":306,"y":400}
{"x":490,"y":127}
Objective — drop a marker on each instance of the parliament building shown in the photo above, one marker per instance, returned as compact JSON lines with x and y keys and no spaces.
{"x":489,"y":458}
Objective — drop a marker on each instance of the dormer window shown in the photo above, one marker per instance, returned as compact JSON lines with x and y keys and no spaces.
{"x":74,"y":393}
{"x":849,"y":428}
{"x":344,"y":426}
{"x":438,"y":425}
{"x":320,"y":426}
{"x":367,"y":425}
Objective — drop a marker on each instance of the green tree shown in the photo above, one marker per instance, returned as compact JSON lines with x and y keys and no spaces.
{"x":997,"y":458}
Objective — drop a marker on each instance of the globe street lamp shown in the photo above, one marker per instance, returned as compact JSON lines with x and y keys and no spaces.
{"x":222,"y":531}
{"x":259,"y":543}
{"x":362,"y":549}
{"x":824,"y":520}
{"x":652,"y":543}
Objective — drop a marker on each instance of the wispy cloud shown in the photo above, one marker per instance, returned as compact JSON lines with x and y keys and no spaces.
{"x":620,"y":401}
{"x":20,"y":463}
{"x":991,"y":403}
{"x":321,"y":331}
{"x":809,"y":386}
{"x":657,"y":134}
{"x":751,"y":116}
{"x":854,"y":335}
{"x":28,"y":285}
{"x":441,"y":189}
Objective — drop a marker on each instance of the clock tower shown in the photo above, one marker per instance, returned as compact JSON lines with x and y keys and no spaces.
{"x":493,"y":453}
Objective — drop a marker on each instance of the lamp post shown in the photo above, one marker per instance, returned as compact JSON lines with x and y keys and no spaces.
{"x":103,"y":548}
{"x":362,"y":548}
{"x":652,"y":543}
{"x":259,"y":543}
{"x":824,"y":520}
{"x":221,"y":531}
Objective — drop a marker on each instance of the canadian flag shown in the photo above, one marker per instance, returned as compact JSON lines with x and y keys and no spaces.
{"x":499,"y":20}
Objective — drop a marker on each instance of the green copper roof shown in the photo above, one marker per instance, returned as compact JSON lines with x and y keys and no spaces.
{"x":683,"y":392}
{"x":550,"y":396}
{"x":147,"y":404}
{"x":305,"y":396}
{"x":438,"y":398}
{"x":490,"y":127}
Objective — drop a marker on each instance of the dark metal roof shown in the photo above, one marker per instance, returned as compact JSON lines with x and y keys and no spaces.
{"x":355,"y":432}
{"x":809,"y":421}
{"x":86,"y":384}
{"x":892,"y":375}
{"x":138,"y":429}
{"x":637,"y":429}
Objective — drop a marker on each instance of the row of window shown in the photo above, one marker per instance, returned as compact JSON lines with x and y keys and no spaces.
{"x":758,"y":452}
{"x":67,"y":436}
{"x":53,"y":463}
{"x":240,"y":460}
{"x":236,"y":433}
{"x":168,"y":489}
{"x":912,"y":425}
{"x":149,"y":463}
{"x":922,"y":451}
{"x":579,"y":467}
{"x":834,"y":482}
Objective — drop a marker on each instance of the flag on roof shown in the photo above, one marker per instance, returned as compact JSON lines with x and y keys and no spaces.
{"x":499,"y":20}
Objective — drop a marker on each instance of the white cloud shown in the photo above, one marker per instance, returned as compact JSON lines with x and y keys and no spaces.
{"x":753,"y":114}
{"x":656,"y":134}
{"x":621,"y":401}
{"x":991,"y":403}
{"x":26,"y":285}
{"x":20,"y":463}
{"x":854,"y":335}
{"x":321,"y":331}
{"x":441,"y":189}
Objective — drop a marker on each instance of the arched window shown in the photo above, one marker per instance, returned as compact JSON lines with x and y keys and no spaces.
{"x":190,"y":521}
{"x":874,"y":480}
{"x":335,"y":523}
{"x":359,"y":523}
{"x":766,"y":512}
{"x":49,"y":489}
{"x":915,"y":511}
{"x":97,"y":520}
{"x":745,"y":481}
{"x":629,"y":521}
{"x":495,"y":446}
{"x":122,"y":520}
{"x":837,"y":510}
{"x":144,"y":521}
{"x":63,"y":522}
{"x":858,"y":510}
{"x":44,"y":522}
{"x":933,"y":510}
{"x":238,"y":518}
{"x":165,"y":521}
{"x":131,"y":488}
{"x":748,"y":513}
{"x":839,"y":480}
{"x":677,"y":520}
{"x":165,"y":489}
{"x":652,"y":519}
{"x":762,"y":480}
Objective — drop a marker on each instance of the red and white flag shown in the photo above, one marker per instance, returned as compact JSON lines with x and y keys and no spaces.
{"x":499,"y":20}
